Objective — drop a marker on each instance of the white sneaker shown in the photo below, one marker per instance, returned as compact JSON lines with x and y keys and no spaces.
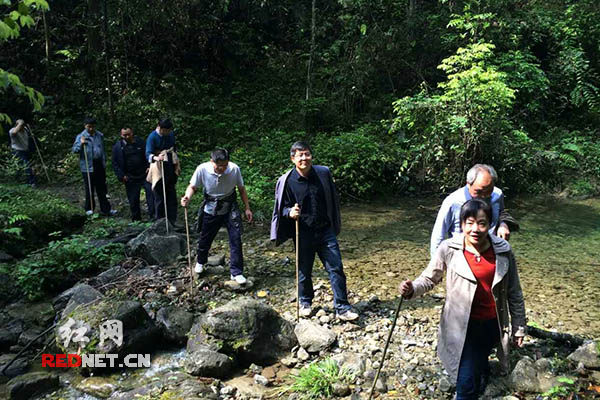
{"x":112,"y":212}
{"x":348,"y":315}
{"x":89,"y":212}
{"x":199,"y":268}
{"x":239,"y":279}
{"x":305,"y":310}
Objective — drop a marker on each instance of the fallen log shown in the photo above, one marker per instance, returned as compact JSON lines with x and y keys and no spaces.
{"x":564,"y":338}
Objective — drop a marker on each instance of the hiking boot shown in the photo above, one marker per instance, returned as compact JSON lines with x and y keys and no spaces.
{"x":199,"y":268}
{"x":239,"y":279}
{"x":305,"y":310}
{"x":347,"y":315}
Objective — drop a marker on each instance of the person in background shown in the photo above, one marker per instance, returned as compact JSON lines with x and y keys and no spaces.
{"x":481,"y":179}
{"x":161,"y":152}
{"x":20,"y":144}
{"x":482,"y":289}
{"x":89,"y":144}
{"x":131,"y":167}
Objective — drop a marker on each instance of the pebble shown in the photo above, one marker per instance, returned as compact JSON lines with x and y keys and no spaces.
{"x":303,"y":354}
{"x":261,"y":380}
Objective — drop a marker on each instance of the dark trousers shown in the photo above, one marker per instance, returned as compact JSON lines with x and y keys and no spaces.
{"x":171,"y":195}
{"x":98,"y":181}
{"x":23,"y":157}
{"x":474,"y":369}
{"x":210,"y":227}
{"x":133,"y":189}
{"x":324,"y":244}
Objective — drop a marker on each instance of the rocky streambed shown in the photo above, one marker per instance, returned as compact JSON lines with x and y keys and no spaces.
{"x":381,"y":244}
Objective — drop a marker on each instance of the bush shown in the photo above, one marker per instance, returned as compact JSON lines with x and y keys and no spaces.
{"x":62,"y":264}
{"x":28,"y":216}
{"x":315,"y":381}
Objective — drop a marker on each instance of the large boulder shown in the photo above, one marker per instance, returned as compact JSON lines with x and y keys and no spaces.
{"x":28,"y":386}
{"x":175,"y":323}
{"x":77,"y":295}
{"x":588,"y":354}
{"x":31,"y":314}
{"x":156,"y":246}
{"x":139,"y":333}
{"x":250,"y":330}
{"x":524,"y":377}
{"x":314,"y":337}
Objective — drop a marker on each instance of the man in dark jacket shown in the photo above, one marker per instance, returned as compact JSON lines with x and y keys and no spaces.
{"x":130,"y":165}
{"x":307,"y":193}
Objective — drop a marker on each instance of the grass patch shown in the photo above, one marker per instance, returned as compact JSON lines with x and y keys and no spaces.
{"x":315,"y":381}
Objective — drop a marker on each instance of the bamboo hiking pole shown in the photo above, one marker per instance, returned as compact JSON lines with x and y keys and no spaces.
{"x":387,"y":343}
{"x":162,"y":173}
{"x":40,"y":155}
{"x":297,"y":274}
{"x":187,"y":234}
{"x":87,"y":167}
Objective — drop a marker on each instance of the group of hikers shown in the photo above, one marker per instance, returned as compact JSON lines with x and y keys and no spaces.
{"x":468,"y":242}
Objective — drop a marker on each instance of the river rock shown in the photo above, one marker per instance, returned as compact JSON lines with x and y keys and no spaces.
{"x":250,"y":329}
{"x":215,"y":260}
{"x":110,"y":275}
{"x":97,"y":386}
{"x":236,"y":287}
{"x":18,"y":367}
{"x":27,"y":386}
{"x":77,"y":295}
{"x":32,"y":314}
{"x":140,"y":334}
{"x":302,"y":354}
{"x":156,"y":246}
{"x":588,"y":354}
{"x":340,"y":389}
{"x":174,"y":323}
{"x":314,"y":337}
{"x":524,"y":376}
{"x":355,"y":363}
{"x":208,"y":363}
{"x":199,"y":340}
{"x":261,"y":380}
{"x":8,"y":337}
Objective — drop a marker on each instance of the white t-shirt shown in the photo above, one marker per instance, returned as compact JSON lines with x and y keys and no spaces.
{"x":215,"y":185}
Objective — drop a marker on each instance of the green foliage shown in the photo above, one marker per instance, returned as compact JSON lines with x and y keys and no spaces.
{"x":28,"y":216}
{"x":567,"y":388}
{"x":315,"y":381}
{"x":63,"y":263}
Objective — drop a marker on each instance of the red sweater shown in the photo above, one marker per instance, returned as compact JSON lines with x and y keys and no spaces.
{"x":484,"y":306}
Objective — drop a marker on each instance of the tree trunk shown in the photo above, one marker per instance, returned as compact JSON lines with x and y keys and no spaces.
{"x":93,"y":36}
{"x":107,"y":59}
{"x":311,"y":54}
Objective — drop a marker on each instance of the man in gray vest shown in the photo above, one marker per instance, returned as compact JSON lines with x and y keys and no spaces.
{"x":219,"y":177}
{"x":20,"y":140}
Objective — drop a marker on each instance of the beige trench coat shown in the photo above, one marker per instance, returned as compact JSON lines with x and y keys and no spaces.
{"x":460,"y":290}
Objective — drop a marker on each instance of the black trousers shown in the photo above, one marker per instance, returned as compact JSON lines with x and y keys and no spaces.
{"x":210,"y":227}
{"x":171,"y":195}
{"x":133,"y":189}
{"x":98,"y":183}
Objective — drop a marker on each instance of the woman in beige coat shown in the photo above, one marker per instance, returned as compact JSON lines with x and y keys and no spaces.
{"x":482,"y":288}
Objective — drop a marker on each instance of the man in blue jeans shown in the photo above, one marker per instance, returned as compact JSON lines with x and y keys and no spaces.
{"x":307,"y":193}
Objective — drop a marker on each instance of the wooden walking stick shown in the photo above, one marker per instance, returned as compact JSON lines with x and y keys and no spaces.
{"x":40,"y":155}
{"x":162,"y":172}
{"x":387,"y":343}
{"x":297,"y":274}
{"x":87,"y":167}
{"x":187,"y":234}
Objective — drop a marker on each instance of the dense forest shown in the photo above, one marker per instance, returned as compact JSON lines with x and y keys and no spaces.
{"x":395,"y":95}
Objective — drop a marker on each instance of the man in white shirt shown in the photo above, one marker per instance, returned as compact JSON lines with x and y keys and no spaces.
{"x":219,"y":177}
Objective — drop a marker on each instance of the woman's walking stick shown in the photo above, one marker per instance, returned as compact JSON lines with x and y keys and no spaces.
{"x":162,"y":173}
{"x":297,"y":274}
{"x":87,"y":167}
{"x":387,"y":343}
{"x":40,"y":154}
{"x":187,"y":234}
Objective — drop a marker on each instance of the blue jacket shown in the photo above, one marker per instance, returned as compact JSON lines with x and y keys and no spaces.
{"x":156,"y":143}
{"x":282,"y":227}
{"x":118,"y":156}
{"x":89,"y":151}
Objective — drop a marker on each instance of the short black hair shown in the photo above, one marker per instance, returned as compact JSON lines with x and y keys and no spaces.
{"x":89,"y":121}
{"x":299,"y":146}
{"x":219,"y":155}
{"x":471,"y":209}
{"x":165,"y":123}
